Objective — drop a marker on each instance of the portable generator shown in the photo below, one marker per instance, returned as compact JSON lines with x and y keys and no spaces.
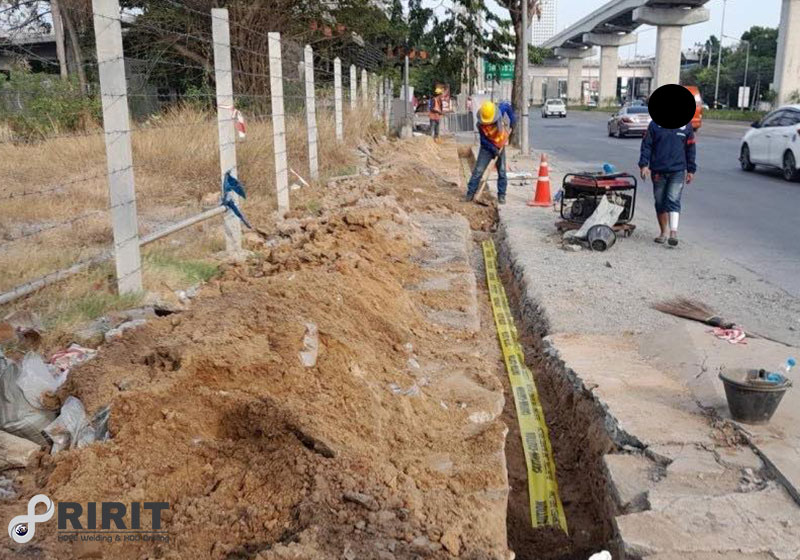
{"x":582,"y":193}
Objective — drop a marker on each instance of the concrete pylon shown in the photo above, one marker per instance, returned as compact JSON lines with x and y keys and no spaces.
{"x":536,"y":90}
{"x":787,"y":62}
{"x":609,"y":44}
{"x":574,"y":71}
{"x":669,"y":23}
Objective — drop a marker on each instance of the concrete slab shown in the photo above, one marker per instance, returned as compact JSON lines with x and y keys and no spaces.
{"x":765,"y":522}
{"x":630,"y":478}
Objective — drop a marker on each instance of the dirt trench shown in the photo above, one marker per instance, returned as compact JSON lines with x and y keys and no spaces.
{"x":579,"y":439}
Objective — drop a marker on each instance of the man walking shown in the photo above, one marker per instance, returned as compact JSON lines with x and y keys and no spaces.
{"x":435,"y":113}
{"x":494,"y":133}
{"x":668,"y":155}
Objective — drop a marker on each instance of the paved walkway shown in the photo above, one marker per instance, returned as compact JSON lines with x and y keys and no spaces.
{"x":688,"y":483}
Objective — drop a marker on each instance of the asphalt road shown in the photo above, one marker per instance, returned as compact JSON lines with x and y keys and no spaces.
{"x":750,"y":218}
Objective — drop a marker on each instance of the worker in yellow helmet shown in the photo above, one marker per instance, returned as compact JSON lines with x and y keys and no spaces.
{"x":435,"y":112}
{"x":495,"y":123}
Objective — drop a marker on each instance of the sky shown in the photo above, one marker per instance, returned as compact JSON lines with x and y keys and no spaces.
{"x":739,"y":17}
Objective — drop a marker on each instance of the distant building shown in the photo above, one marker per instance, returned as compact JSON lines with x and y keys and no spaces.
{"x":544,"y":28}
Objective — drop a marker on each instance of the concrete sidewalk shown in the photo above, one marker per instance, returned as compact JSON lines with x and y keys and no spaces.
{"x":688,"y":483}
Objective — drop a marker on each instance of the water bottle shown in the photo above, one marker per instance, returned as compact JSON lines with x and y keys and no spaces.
{"x":783,"y":371}
{"x":609,"y":169}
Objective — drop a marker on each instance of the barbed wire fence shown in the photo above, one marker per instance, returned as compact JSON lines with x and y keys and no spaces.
{"x":303,"y":87}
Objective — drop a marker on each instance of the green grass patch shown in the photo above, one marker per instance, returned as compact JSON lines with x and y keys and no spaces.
{"x":191,"y":271}
{"x":733,"y":115}
{"x":92,"y":305}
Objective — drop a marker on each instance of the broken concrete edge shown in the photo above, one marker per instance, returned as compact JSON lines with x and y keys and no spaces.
{"x":624,"y":444}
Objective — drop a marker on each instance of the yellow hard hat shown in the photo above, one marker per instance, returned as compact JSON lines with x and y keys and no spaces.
{"x":438,"y":90}
{"x":487,"y":112}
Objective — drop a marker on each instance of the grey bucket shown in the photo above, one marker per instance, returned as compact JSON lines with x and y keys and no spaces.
{"x":753,"y":403}
{"x":601,"y":237}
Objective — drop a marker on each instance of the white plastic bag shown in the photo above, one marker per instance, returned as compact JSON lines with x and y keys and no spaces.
{"x":71,"y":429}
{"x":21,"y":387}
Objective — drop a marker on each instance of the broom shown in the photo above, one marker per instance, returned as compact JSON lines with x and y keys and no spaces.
{"x":697,"y":311}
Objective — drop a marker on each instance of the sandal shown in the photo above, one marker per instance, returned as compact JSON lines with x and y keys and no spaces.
{"x":673,"y":241}
{"x":660,"y":239}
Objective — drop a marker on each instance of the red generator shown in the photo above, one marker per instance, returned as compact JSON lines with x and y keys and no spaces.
{"x":581,"y":193}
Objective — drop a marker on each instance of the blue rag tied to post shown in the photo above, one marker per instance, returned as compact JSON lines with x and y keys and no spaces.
{"x":231,"y":184}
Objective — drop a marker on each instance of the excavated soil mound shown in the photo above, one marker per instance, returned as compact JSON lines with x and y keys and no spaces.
{"x":260,"y":456}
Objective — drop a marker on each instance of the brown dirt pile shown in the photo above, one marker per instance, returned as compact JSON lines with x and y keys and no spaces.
{"x":262,"y":457}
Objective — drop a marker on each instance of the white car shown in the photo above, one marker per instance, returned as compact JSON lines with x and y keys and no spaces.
{"x":554,"y":107}
{"x":774,"y":141}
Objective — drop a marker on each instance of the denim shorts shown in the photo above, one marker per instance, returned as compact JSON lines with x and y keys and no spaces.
{"x":667,"y":189}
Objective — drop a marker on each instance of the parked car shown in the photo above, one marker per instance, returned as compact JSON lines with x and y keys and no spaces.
{"x":554,"y":107}
{"x":774,"y":141}
{"x":628,"y":121}
{"x":697,"y":119}
{"x":422,"y":121}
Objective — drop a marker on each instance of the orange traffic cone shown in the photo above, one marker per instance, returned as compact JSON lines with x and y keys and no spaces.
{"x":542,"y":193}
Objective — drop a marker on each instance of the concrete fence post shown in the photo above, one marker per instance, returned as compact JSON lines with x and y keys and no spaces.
{"x":220,"y":33}
{"x":278,"y":123}
{"x":387,"y":102}
{"x":363,"y":86}
{"x":353,"y":84}
{"x":119,"y":157}
{"x":373,"y":94}
{"x":311,"y":114}
{"x":337,"y":98}
{"x":379,"y":107}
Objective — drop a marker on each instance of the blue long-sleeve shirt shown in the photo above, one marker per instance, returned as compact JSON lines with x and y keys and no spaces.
{"x":667,"y":150}
{"x":505,"y":110}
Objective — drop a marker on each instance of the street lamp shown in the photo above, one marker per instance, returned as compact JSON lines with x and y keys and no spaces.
{"x":719,"y":56}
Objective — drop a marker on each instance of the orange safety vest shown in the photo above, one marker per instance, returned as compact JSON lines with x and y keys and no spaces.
{"x":496,"y":133}
{"x":436,"y":113}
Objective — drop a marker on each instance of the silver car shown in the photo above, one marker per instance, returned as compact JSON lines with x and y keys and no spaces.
{"x":554,"y":108}
{"x":628,"y":121}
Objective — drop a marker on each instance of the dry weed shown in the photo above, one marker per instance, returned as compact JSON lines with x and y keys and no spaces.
{"x":175,"y":165}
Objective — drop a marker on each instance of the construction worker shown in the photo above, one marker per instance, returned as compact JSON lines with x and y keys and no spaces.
{"x":494,"y":132}
{"x":435,"y":112}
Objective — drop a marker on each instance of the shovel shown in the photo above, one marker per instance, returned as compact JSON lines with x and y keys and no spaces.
{"x":479,"y":198}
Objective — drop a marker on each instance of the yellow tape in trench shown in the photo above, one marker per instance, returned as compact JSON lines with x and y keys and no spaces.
{"x":546,"y":508}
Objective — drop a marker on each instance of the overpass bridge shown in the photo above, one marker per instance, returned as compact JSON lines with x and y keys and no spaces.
{"x":611,"y":26}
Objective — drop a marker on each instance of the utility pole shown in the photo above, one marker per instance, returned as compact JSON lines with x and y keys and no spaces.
{"x":719,"y":57}
{"x":525,"y":122}
{"x":406,"y":97}
{"x":58,"y":30}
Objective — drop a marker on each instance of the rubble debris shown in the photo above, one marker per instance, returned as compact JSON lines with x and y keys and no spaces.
{"x":308,"y":355}
{"x":118,"y":331}
{"x":362,"y":499}
{"x":26,"y":325}
{"x":15,"y":452}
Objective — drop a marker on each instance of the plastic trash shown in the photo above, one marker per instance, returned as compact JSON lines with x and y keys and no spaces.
{"x":72,"y":428}
{"x":609,"y":169}
{"x":22,"y":412}
{"x":783,"y":371}
{"x":75,"y":354}
{"x":38,"y":378}
{"x":412,"y":391}
{"x":605,"y":555}
{"x":308,"y":355}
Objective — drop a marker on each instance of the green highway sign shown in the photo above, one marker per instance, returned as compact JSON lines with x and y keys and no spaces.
{"x":503,"y":71}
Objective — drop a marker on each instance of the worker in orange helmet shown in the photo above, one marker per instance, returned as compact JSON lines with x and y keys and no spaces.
{"x":435,"y":112}
{"x":495,"y":123}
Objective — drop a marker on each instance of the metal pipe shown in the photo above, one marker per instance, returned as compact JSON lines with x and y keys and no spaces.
{"x":53,"y":277}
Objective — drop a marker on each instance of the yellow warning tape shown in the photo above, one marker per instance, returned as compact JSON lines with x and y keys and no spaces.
{"x":546,"y":508}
